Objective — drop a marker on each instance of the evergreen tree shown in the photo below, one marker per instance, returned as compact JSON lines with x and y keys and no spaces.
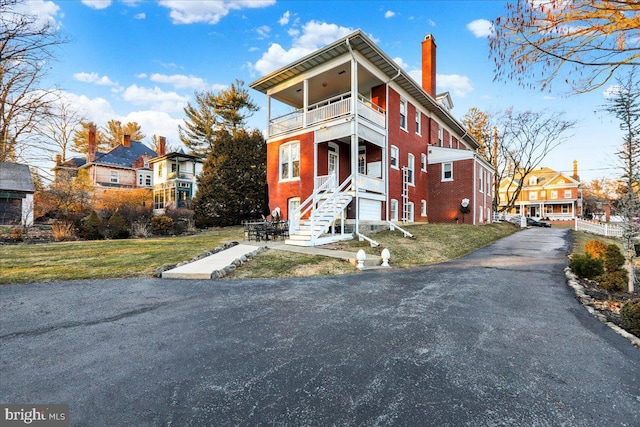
{"x":231,"y":187}
{"x":115,"y":131}
{"x":226,"y":110}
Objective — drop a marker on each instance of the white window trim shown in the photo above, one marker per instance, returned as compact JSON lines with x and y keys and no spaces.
{"x":418,"y":122}
{"x":290,"y":162}
{"x":397,"y":157}
{"x":554,"y":194}
{"x":406,"y":109}
{"x":440,"y":136}
{"x":411,"y":165}
{"x":567,"y":194}
{"x":393,"y":213}
{"x":423,"y":162}
{"x":411,"y":212}
{"x":533,"y":195}
{"x":114,"y":174}
{"x":481,"y":181}
{"x":443,"y":179}
{"x":423,"y":207}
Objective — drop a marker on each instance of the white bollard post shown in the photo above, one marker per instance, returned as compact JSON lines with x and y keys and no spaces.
{"x":386,"y":255}
{"x":361,"y":256}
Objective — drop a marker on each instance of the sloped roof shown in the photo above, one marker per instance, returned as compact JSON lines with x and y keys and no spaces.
{"x":125,"y":156}
{"x":358,"y":41}
{"x":16,"y":177}
{"x":544,"y":176}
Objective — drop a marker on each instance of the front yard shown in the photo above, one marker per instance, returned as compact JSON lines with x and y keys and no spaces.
{"x":25,"y":263}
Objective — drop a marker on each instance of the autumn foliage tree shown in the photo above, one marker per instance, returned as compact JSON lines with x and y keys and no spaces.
{"x":581,"y":42}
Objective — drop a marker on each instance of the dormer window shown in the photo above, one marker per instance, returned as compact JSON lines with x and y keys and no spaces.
{"x":533,"y":180}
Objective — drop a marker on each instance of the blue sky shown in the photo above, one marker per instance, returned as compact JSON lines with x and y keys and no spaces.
{"x":142,"y":60}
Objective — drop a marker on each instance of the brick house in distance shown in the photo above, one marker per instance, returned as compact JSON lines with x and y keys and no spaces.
{"x":365,"y":144}
{"x":546,"y":194}
{"x":125,"y":166}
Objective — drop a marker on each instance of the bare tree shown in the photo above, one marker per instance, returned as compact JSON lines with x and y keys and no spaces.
{"x":26,"y":47}
{"x":580,"y":42}
{"x":524,"y":141}
{"x":59,"y":127}
{"x":625,"y":106}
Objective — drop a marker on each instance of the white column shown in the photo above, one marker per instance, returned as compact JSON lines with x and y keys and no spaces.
{"x":305,"y":101}
{"x":268,"y":116}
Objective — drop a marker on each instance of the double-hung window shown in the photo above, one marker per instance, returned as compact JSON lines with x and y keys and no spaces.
{"x":394,"y":157}
{"x":394,"y":210}
{"x":290,"y":161}
{"x":113,"y":177}
{"x":418,"y":131}
{"x":447,"y":171}
{"x":423,"y":162}
{"x":410,"y":169}
{"x":403,"y":114}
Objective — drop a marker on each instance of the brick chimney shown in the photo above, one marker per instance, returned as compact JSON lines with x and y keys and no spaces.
{"x":575,"y":171}
{"x":91,"y":152}
{"x":429,"y":65}
{"x":58,"y":159}
{"x":162,"y":146}
{"x":126,"y":140}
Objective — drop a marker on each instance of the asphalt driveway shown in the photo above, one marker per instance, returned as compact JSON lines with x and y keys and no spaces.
{"x":494,"y":338}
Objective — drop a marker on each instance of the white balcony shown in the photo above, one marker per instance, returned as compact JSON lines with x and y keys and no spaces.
{"x":327,"y":110}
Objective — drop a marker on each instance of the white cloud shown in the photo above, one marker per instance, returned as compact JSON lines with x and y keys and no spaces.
{"x":612,"y":91}
{"x":284,"y":19}
{"x":389,"y":14}
{"x":263,"y":31}
{"x":140,"y":15}
{"x":401,"y":63}
{"x":97,"y":4}
{"x":480,"y":28}
{"x":94,"y":78}
{"x":179,"y":81}
{"x":97,"y":110}
{"x":209,"y":12}
{"x":313,"y":36}
{"x":155,"y":98}
{"x":156,"y":123}
{"x":141,"y":76}
{"x":44,"y":11}
{"x":459,"y":85}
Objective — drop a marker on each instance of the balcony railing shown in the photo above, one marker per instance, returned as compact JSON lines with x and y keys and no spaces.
{"x":326,"y":110}
{"x":368,"y":183}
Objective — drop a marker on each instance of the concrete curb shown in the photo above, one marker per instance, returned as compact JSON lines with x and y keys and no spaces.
{"x":587,"y":302}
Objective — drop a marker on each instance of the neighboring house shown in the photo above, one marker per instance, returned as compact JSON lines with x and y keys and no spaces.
{"x":16,"y":194}
{"x":366,"y":144}
{"x":123,"y":167}
{"x":545,"y":193}
{"x":174,"y":179}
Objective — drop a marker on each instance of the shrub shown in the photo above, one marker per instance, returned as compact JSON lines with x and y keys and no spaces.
{"x":630,"y":314}
{"x":613,"y":258}
{"x":595,"y":248}
{"x":614,"y":281}
{"x":586,"y":266}
{"x":140,"y":229}
{"x":92,"y":227}
{"x":117,"y":227}
{"x":162,"y":224}
{"x":63,"y":230}
{"x":182,"y":219}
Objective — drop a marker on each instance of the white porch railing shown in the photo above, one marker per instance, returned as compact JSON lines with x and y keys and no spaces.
{"x":370,"y":111}
{"x":325,"y":110}
{"x":609,"y":230}
{"x":285,"y":123}
{"x":368,"y":183}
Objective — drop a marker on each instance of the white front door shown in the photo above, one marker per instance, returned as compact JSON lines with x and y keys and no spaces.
{"x":334,"y":161}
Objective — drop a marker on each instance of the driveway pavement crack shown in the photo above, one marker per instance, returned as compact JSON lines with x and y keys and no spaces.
{"x":68,"y":325}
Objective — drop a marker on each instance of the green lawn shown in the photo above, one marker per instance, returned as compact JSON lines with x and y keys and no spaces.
{"x":25,"y":263}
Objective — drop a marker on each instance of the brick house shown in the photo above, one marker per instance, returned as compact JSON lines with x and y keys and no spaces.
{"x":545,"y":193}
{"x":366,"y":145}
{"x":123,"y":167}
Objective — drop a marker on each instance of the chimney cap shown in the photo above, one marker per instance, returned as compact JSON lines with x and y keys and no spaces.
{"x":429,"y":36}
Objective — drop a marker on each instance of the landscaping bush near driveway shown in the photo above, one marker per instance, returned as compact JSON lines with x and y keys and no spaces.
{"x":630,"y":314}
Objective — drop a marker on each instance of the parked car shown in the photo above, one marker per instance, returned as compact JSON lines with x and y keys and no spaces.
{"x":533,"y":223}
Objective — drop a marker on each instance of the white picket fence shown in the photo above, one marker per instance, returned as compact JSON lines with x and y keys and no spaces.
{"x":609,"y":230}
